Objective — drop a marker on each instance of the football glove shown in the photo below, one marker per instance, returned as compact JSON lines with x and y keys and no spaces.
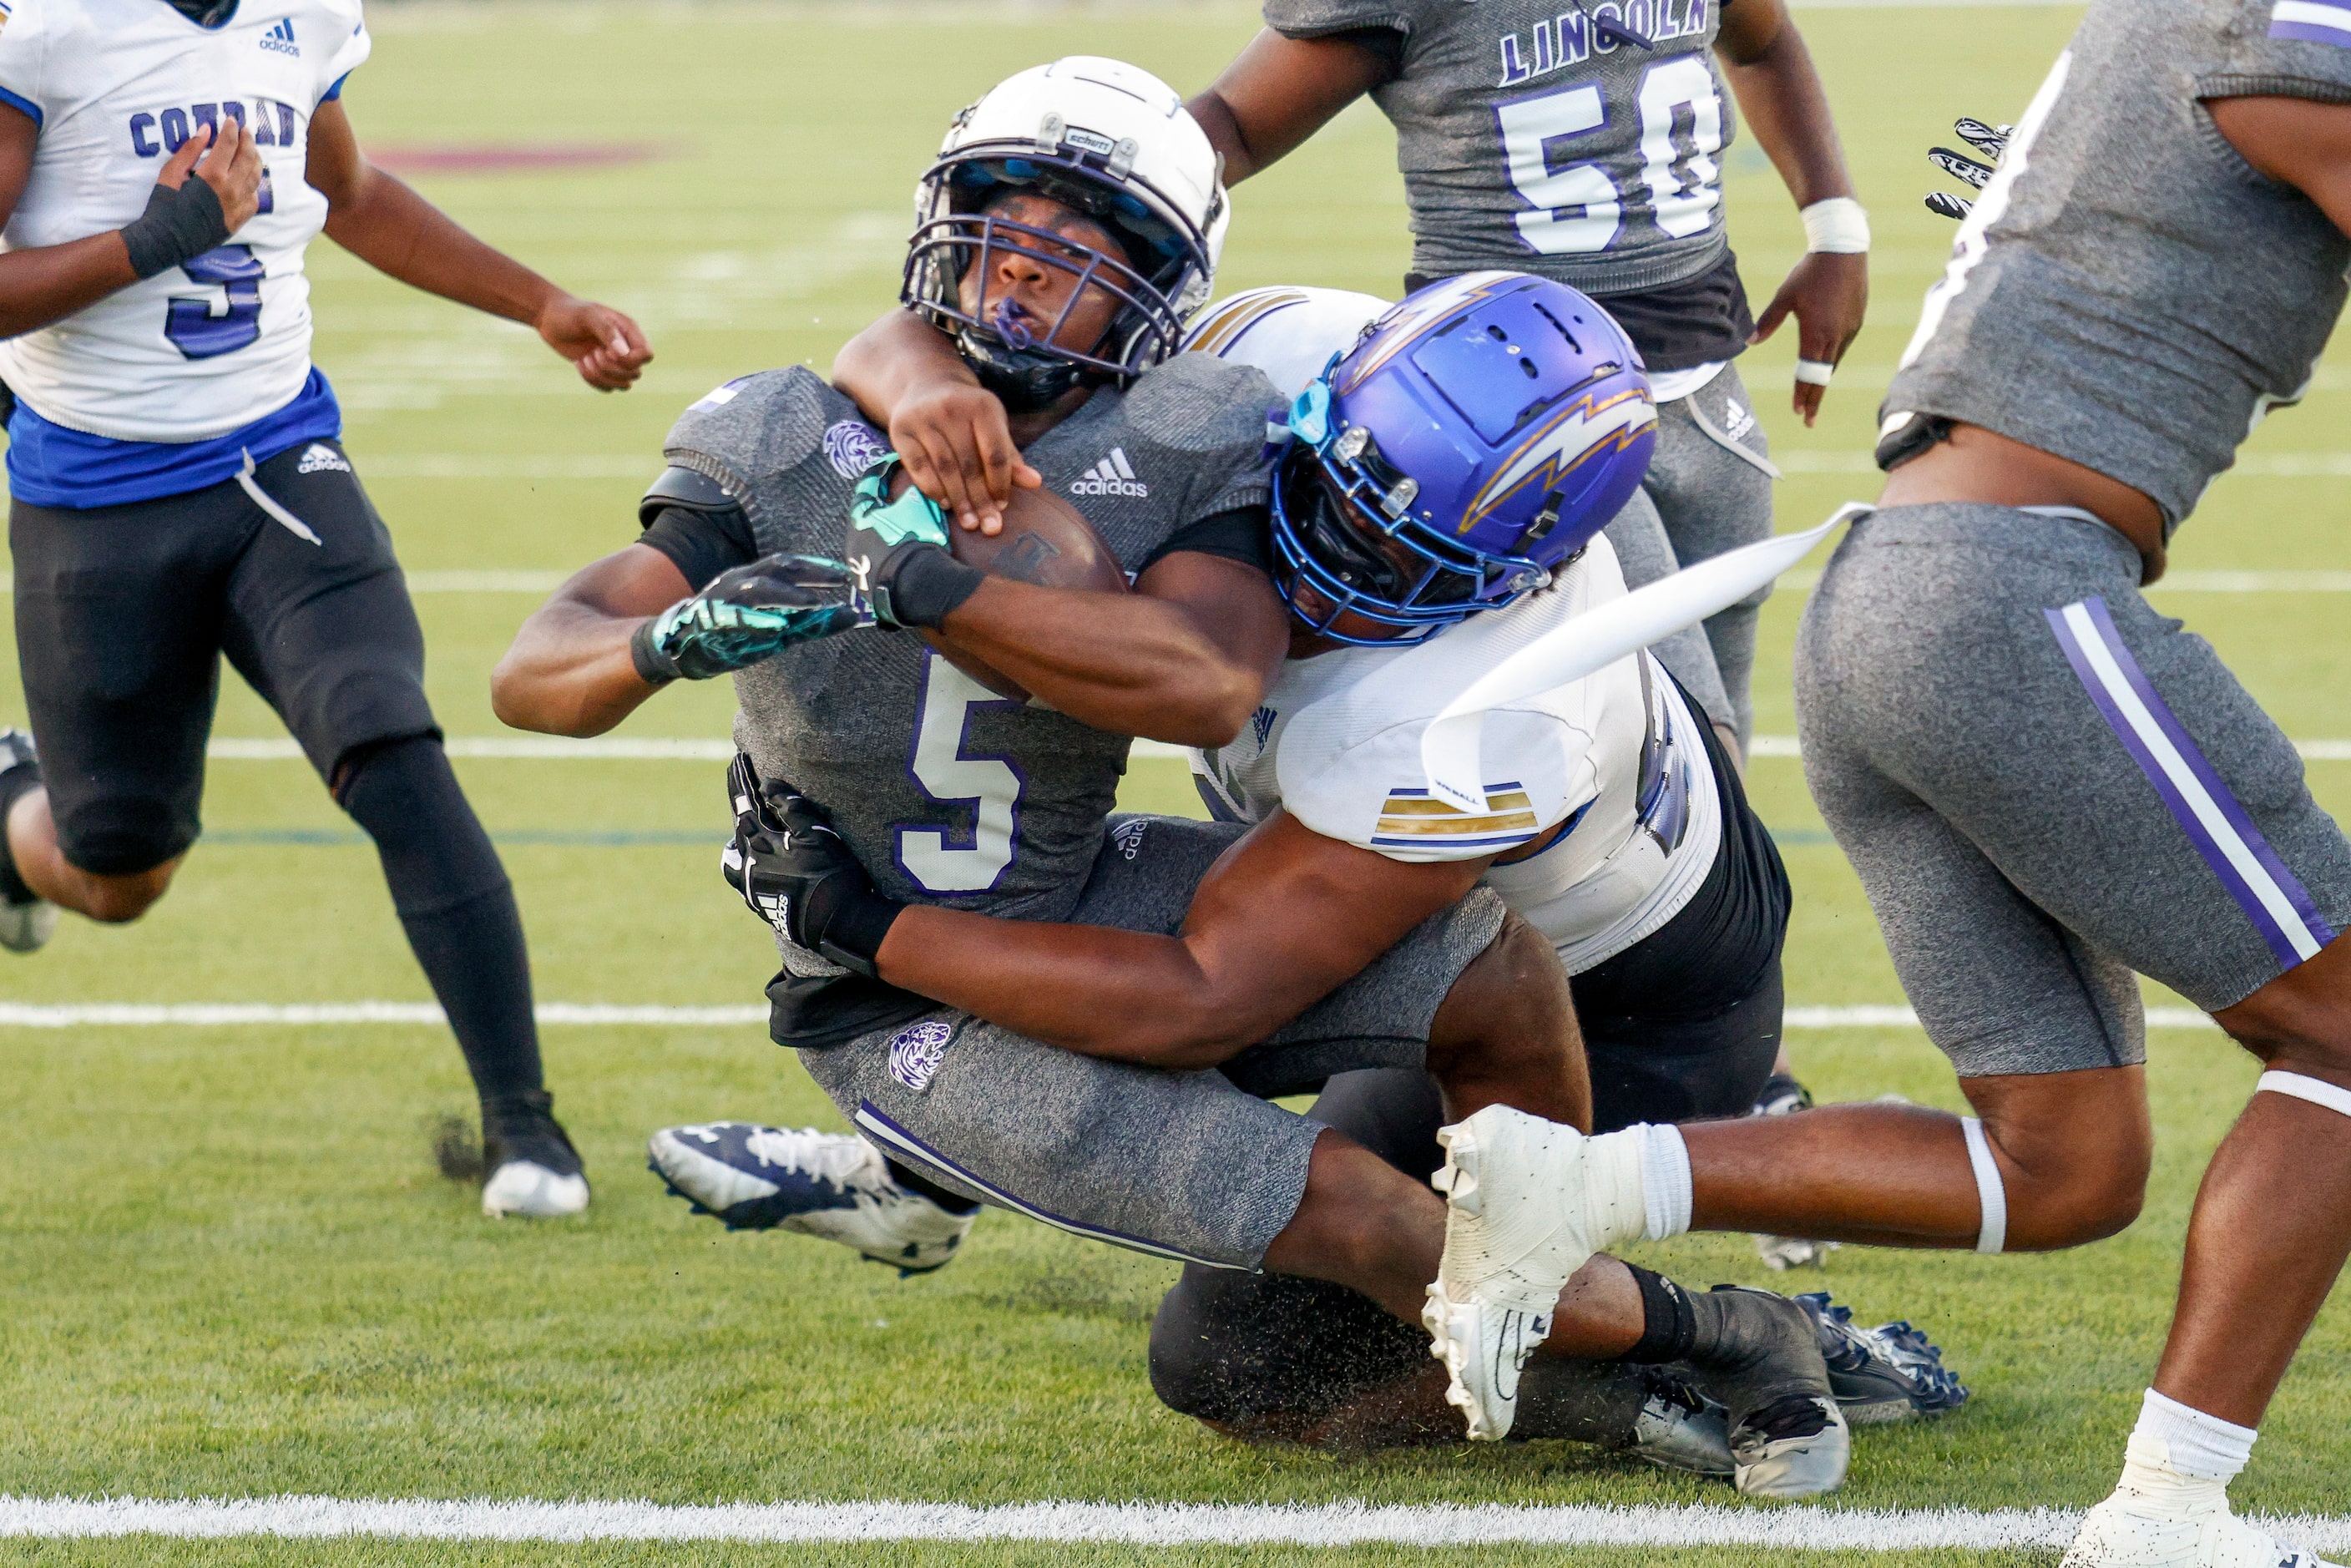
{"x":795,"y":872}
{"x":1991,"y":141}
{"x":899,"y":551}
{"x":748,"y":614}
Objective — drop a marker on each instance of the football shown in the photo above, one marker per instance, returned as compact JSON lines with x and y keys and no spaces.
{"x":1046,"y":541}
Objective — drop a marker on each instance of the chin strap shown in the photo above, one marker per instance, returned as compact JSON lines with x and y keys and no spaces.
{"x":1024,"y":380}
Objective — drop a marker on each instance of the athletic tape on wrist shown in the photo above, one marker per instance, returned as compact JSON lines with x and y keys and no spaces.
{"x":653,"y":667}
{"x":2301,"y":1086}
{"x":1836,"y":226}
{"x":177,"y":226}
{"x":1816,"y":372}
{"x":1992,"y":1235}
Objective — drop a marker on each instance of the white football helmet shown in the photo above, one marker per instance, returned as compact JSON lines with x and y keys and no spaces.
{"x":1108,"y":139}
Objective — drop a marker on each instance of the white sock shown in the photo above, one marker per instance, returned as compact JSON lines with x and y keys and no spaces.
{"x":1665,"y":1180}
{"x":2179,"y":1456}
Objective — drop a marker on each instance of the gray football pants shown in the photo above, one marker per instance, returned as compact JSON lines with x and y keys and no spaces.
{"x":1707,"y":490}
{"x":1191,"y":1165}
{"x":2044,"y":785}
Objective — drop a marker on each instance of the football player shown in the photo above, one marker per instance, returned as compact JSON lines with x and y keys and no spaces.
{"x":180,"y":492}
{"x":1439,"y":506}
{"x":2045,"y":784}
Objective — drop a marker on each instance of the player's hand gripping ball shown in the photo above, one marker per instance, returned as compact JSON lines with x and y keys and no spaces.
{"x":795,"y":872}
{"x":750,"y":613}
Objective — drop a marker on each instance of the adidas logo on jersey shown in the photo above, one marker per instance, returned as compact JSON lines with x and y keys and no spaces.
{"x":321,"y":456}
{"x":280,"y":39}
{"x":1110,"y":476}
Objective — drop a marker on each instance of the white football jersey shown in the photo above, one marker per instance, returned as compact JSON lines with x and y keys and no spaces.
{"x":203,"y":349}
{"x":1616,"y":756}
{"x":1288,"y":333}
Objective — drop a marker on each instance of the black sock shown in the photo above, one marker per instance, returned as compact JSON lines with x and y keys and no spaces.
{"x":953,"y":1202}
{"x":13,"y":785}
{"x":454,"y":903}
{"x":1669,"y":1320}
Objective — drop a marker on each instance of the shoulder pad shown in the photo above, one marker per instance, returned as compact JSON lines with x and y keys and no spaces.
{"x":695,"y":492}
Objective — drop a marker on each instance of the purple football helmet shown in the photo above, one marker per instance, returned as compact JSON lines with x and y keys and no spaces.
{"x":1478,"y":436}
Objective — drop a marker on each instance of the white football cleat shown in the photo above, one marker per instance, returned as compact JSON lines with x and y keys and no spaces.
{"x":1679,"y":1428}
{"x":1527,"y":1202}
{"x":533,"y":1192}
{"x":832,"y":1186}
{"x":535,"y":1172}
{"x":2130,"y":1529}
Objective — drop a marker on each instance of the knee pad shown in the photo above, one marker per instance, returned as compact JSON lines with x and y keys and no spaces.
{"x":1991,"y":1194}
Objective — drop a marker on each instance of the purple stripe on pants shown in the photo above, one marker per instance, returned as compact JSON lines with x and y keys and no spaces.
{"x":2277,"y":938}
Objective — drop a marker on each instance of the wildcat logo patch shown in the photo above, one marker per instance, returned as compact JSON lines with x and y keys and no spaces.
{"x":852,"y":447}
{"x":917,"y":1050}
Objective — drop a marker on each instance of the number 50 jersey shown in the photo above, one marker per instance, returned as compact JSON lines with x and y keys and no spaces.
{"x":1535,"y":135}
{"x":115,"y":87}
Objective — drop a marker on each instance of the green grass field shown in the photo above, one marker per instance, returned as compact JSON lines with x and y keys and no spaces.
{"x":231,"y":1267}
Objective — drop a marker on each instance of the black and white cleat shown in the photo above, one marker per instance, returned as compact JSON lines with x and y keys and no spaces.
{"x":534,"y":1170}
{"x":26,"y":920}
{"x":833,"y":1186}
{"x":1890,"y":1373}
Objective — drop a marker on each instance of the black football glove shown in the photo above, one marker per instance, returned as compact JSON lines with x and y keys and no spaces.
{"x":899,"y":551}
{"x":748,"y":614}
{"x":1991,"y":141}
{"x":795,"y":872}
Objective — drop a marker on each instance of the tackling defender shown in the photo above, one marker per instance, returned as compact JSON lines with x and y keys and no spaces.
{"x":180,"y":491}
{"x":1632,"y":839}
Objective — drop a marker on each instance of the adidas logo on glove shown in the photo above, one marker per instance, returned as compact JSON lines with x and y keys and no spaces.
{"x":1110,"y":476}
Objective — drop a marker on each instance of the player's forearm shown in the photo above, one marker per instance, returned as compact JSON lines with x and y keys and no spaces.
{"x":1127,"y":664}
{"x":569,"y":672}
{"x":1780,"y":94}
{"x":1122,"y":996}
{"x":897,"y":354}
{"x":400,"y":234}
{"x":47,"y":284}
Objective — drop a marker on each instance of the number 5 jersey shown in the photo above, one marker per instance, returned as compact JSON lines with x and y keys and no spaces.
{"x":946,"y":792}
{"x":200,"y":352}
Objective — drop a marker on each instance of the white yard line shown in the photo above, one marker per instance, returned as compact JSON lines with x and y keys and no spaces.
{"x":1132,"y":1524}
{"x":549,"y":747}
{"x":603,"y":1015}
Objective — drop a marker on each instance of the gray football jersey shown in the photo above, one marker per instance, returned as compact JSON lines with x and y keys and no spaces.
{"x":1530,"y":139}
{"x":2127,"y":292}
{"x":946,"y":792}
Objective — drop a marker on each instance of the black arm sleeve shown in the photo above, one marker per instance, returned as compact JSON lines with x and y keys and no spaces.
{"x":701,"y":544}
{"x":1245,"y":534}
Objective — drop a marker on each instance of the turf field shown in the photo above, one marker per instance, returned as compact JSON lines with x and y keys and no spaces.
{"x":232,"y":1270}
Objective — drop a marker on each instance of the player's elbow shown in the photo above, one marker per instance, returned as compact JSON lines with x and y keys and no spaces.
{"x":1213,"y":708}
{"x":1203,"y":1029}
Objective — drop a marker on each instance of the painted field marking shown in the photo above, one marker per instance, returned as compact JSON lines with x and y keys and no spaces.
{"x":1134,"y":1524}
{"x":557,"y":749}
{"x":602,"y":1015}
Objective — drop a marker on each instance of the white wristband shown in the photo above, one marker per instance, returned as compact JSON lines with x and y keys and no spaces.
{"x":1838,"y":226}
{"x":1814,"y":372}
